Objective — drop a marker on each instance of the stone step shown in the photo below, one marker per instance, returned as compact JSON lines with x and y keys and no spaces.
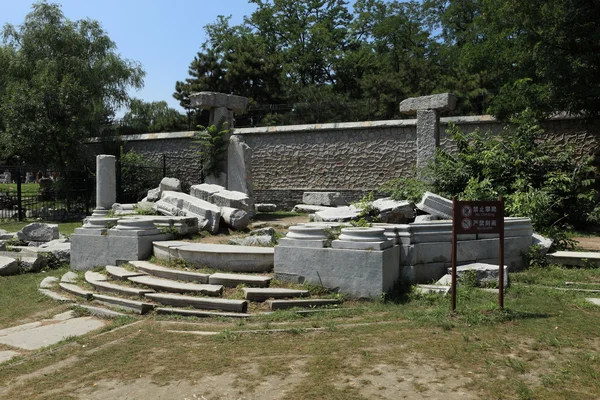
{"x":54,"y":296}
{"x":139,"y":307}
{"x":119,"y":289}
{"x":285,"y":304}
{"x":170,"y":273}
{"x":198,"y":313}
{"x":262,"y":294}
{"x":575,"y":258}
{"x":168,"y":285}
{"x":76,"y":290}
{"x":218,"y":256}
{"x":95,"y":276}
{"x":101,"y":312}
{"x":122,"y":273}
{"x":178,"y":300}
{"x":232,"y":280}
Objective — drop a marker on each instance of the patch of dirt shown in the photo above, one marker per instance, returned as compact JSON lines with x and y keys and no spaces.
{"x":413,"y":378}
{"x":246,"y":383}
{"x":588,"y":243}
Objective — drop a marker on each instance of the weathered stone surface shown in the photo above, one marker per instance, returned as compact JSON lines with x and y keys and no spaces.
{"x":6,"y":355}
{"x":239,"y":168}
{"x":232,"y":280}
{"x":235,"y":218}
{"x":309,"y":209}
{"x":138,"y":307}
{"x":425,"y":218}
{"x":76,"y":290}
{"x":119,"y":289}
{"x":2,"y":245}
{"x":168,"y":285}
{"x":439,"y":289}
{"x":394,"y":211}
{"x":91,"y":276}
{"x":484,"y":274}
{"x":169,"y":273}
{"x":544,"y":243}
{"x":428,"y":137}
{"x":203,"y":191}
{"x":51,"y":333}
{"x":153,"y":195}
{"x":593,"y":300}
{"x":183,"y":204}
{"x":8,"y":266}
{"x":255,"y":240}
{"x":338,"y":214}
{"x":199,"y":302}
{"x":70,"y":277}
{"x":60,"y":251}
{"x":31,"y":264}
{"x":38,"y":232}
{"x":172,"y":184}
{"x":53,"y":295}
{"x":262,"y":294}
{"x":122,"y":273}
{"x":210,"y":100}
{"x":106,"y":184}
{"x":362,"y":239}
{"x":101,"y":312}
{"x":285,"y":304}
{"x":265,"y":207}
{"x":199,"y":313}
{"x":232,"y":199}
{"x":436,"y":205}
{"x":439,"y":102}
{"x":574,"y":258}
{"x":333,"y":199}
{"x":263,"y":231}
{"x":4,"y":235}
{"x":49,"y":282}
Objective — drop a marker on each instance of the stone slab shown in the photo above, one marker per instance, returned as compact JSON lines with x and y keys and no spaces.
{"x":285,"y":304}
{"x":228,"y":257}
{"x":235,"y":218}
{"x":438,"y":102}
{"x":359,"y":274}
{"x":76,"y":290}
{"x":167,"y":250}
{"x":172,"y":184}
{"x":394,"y":211}
{"x":181,"y":204}
{"x":239,"y":169}
{"x":302,"y":243}
{"x":8,"y":266}
{"x":91,"y":276}
{"x":169,"y":273}
{"x":338,"y":214}
{"x":484,"y":273}
{"x":439,"y":289}
{"x":122,"y":273}
{"x":49,"y":282}
{"x":262,"y":294}
{"x":332,"y":199}
{"x":210,"y":100}
{"x":436,"y":205}
{"x":101,"y":312}
{"x":178,"y":300}
{"x":119,"y":289}
{"x":177,"y":287}
{"x":309,"y":208}
{"x":139,"y":307}
{"x":593,"y":300}
{"x":265,"y":207}
{"x":54,"y":296}
{"x":198,"y":313}
{"x":46,"y":335}
{"x":232,"y":280}
{"x":575,"y":258}
{"x":203,"y":191}
{"x":69,"y":277}
{"x":38,"y":232}
{"x":361,"y":246}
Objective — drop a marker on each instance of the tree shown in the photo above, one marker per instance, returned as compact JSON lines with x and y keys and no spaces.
{"x":155,"y":116}
{"x":61,"y":81}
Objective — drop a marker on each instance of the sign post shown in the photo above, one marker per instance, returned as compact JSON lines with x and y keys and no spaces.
{"x":473,"y":217}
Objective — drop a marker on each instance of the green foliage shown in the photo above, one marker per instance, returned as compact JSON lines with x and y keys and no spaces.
{"x":138,"y":174}
{"x":368,"y":213}
{"x":155,"y":116}
{"x":212,"y":144}
{"x":61,"y":81}
{"x":410,"y":188}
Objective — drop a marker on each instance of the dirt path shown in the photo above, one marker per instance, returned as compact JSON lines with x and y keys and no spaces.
{"x":590,"y":243}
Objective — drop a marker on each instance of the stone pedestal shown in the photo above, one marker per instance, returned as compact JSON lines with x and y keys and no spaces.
{"x":305,"y":236}
{"x":106,"y":184}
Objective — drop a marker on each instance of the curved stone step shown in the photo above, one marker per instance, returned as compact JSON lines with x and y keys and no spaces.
{"x":139,"y":307}
{"x":262,"y":294}
{"x":101,"y":312}
{"x":122,"y":273}
{"x":232,"y":280}
{"x":168,"y":285}
{"x":285,"y":304}
{"x":218,"y":256}
{"x":198,"y":313}
{"x":170,"y":273}
{"x":119,"y":289}
{"x":95,"y":276}
{"x":54,"y":296}
{"x":178,"y":300}
{"x":76,"y":290}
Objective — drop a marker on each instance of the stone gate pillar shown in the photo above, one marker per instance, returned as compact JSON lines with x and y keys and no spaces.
{"x":428,"y":110}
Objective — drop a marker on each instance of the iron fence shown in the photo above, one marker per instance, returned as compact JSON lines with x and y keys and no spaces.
{"x":43,"y":194}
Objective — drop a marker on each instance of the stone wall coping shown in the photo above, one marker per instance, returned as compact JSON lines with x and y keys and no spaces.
{"x":146,"y":136}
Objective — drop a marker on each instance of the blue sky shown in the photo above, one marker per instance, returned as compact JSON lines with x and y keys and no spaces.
{"x":163,"y":35}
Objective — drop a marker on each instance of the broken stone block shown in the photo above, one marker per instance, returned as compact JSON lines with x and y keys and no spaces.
{"x":49,"y":282}
{"x":232,"y":199}
{"x":209,"y":100}
{"x":338,"y":214}
{"x":4,"y":235}
{"x":237,"y":219}
{"x":332,"y":199}
{"x":263,"y":231}
{"x":544,"y":243}
{"x":265,"y":207}
{"x":2,"y":245}
{"x":425,"y":218}
{"x":436,"y":205}
{"x":172,"y":184}
{"x":181,"y":204}
{"x":8,"y":266}
{"x":38,"y":232}
{"x":484,"y":274}
{"x":438,"y":102}
{"x":262,"y":240}
{"x":309,"y":209}
{"x":205,"y":190}
{"x":153,"y":195}
{"x":394,"y":211}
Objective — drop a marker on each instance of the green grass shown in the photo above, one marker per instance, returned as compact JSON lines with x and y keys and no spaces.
{"x":20,"y":298}
{"x":26,"y":188}
{"x":66,"y":228}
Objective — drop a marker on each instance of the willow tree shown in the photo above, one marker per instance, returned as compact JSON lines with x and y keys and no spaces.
{"x":62,"y":80}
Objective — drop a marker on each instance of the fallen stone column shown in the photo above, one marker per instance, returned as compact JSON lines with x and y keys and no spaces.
{"x":235,"y":218}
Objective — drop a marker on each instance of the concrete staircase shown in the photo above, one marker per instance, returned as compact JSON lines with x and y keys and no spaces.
{"x":142,"y":287}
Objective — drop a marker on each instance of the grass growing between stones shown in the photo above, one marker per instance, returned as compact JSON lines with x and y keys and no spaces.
{"x":545,"y":344}
{"x":20,"y":300}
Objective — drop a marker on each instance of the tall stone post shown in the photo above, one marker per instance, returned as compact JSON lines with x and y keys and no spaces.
{"x":106,"y":184}
{"x":236,"y":168}
{"x":428,"y":110}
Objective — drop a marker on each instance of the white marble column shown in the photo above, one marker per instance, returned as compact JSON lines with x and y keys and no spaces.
{"x":106,"y":184}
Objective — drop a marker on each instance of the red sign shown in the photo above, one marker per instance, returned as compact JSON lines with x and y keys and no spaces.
{"x":478,"y":217}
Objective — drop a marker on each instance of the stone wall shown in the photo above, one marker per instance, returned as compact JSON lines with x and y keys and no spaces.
{"x":353,"y":158}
